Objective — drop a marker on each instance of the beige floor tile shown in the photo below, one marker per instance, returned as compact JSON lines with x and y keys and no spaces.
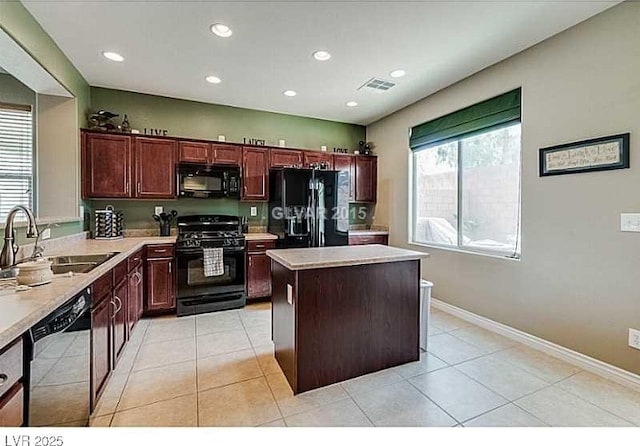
{"x":556,"y":407}
{"x":259,"y":335}
{"x":401,"y":404}
{"x":509,"y":381}
{"x":177,"y":412}
{"x":452,"y":350}
{"x":427,"y":363}
{"x":40,"y":368}
{"x":58,"y":405}
{"x":102,"y":421}
{"x":249,"y":403}
{"x":291,"y":404}
{"x":343,"y":413}
{"x":277,"y":423}
{"x":543,"y":366}
{"x":217,"y":322}
{"x":158,"y":354}
{"x":371,"y":381}
{"x":223,"y":342}
{"x":111,"y":396}
{"x":446,"y":322}
{"x":483,"y":339}
{"x":228,"y":368}
{"x":127,"y":359}
{"x":433,"y":330}
{"x":73,"y":369}
{"x":617,"y":399}
{"x":255,"y":318}
{"x":80,"y":345}
{"x":456,"y":393}
{"x":157,"y":384}
{"x":167,"y":330}
{"x":267,"y":359}
{"x":257,"y":306}
{"x":506,"y":416}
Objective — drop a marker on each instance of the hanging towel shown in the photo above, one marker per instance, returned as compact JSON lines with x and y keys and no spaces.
{"x":213,"y":262}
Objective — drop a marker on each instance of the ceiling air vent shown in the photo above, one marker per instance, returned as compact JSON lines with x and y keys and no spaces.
{"x":377,"y":85}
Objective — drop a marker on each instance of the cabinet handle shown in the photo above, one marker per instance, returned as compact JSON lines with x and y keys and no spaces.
{"x":126,"y":188}
{"x":138,"y":188}
{"x":119,"y":304}
{"x":169,"y":267}
{"x":159,"y":250}
{"x":115,"y":308}
{"x":215,"y":154}
{"x":259,"y":246}
{"x":250,"y":259}
{"x":3,"y":378}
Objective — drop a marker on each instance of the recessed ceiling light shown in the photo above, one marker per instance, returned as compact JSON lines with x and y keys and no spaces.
{"x":221,"y":30}
{"x":322,"y":55}
{"x":213,"y":79}
{"x":113,"y":56}
{"x":289,"y":93}
{"x":352,"y":104}
{"x":397,"y":73}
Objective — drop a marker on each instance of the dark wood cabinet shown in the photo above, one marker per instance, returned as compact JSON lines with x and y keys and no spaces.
{"x":11,"y":380}
{"x":317,"y":158}
{"x":160,"y":277}
{"x":255,"y":174}
{"x":258,"y":268}
{"x":155,"y":161}
{"x":134,"y":303}
{"x":226,"y":154}
{"x":12,"y":408}
{"x":101,"y":332}
{"x":285,"y":158}
{"x":194,"y":152}
{"x":106,"y":165}
{"x":380,"y":239}
{"x":120,"y":327}
{"x":346,"y":163}
{"x":366,"y":179}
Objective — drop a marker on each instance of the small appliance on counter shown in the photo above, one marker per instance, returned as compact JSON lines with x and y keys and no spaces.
{"x":37,"y":272}
{"x":165,"y":220}
{"x":109,"y":224}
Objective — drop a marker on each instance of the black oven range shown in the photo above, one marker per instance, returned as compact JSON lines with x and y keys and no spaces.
{"x":199,"y":291}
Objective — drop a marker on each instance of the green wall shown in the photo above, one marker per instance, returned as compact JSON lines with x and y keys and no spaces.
{"x":12,"y":91}
{"x":206,"y":121}
{"x":57,"y":230}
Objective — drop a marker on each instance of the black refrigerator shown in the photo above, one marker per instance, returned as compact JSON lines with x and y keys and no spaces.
{"x":309,"y":207}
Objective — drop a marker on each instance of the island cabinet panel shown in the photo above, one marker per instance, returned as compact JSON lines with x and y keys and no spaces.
{"x":194,"y":152}
{"x":155,"y":161}
{"x":317,"y":158}
{"x":106,"y":166}
{"x":286,"y":158}
{"x":346,"y":321}
{"x":378,"y":239}
{"x":101,"y":333}
{"x":346,"y":163}
{"x":255,"y":174}
{"x":11,"y":380}
{"x":12,"y":408}
{"x":366,"y":176}
{"x":226,"y":154}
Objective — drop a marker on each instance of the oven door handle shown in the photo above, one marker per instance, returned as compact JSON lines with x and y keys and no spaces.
{"x":191,"y":251}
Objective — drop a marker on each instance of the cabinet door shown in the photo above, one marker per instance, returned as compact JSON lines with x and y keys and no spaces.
{"x":121,"y":303}
{"x":155,"y":168}
{"x":160,"y":284}
{"x":258,"y":275}
{"x":255,"y":174}
{"x":101,"y":324}
{"x":285,"y":158}
{"x":318,"y":157}
{"x":106,"y":166}
{"x":226,"y":154}
{"x":134,"y":299}
{"x":345,"y":163}
{"x":193,"y":152}
{"x":366,"y":178}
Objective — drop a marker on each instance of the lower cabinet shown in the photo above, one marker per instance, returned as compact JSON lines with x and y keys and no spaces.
{"x":136,"y":293}
{"x":11,"y":385}
{"x":160,"y":278}
{"x":379,"y":239}
{"x":101,"y":323}
{"x":120,"y":323}
{"x":258,"y":268}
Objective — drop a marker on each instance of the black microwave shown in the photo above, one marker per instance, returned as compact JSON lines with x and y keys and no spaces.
{"x":205,"y":181}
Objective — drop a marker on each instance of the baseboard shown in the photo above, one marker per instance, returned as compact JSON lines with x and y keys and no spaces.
{"x":585,"y":362}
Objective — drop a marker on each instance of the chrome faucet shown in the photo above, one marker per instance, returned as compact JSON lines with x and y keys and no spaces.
{"x":10,"y":248}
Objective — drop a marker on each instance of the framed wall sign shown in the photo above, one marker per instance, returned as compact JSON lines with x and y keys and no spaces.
{"x":608,"y":153}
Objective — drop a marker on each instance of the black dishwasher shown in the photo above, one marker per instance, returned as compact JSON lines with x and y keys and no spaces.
{"x":59,"y":373}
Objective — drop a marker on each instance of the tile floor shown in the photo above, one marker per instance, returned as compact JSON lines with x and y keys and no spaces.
{"x":218,"y":370}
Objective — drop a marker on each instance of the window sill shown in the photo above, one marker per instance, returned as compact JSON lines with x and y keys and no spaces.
{"x":22,"y":222}
{"x":466,"y":251}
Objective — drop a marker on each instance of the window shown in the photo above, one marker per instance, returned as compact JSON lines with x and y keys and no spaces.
{"x":16,"y":158}
{"x":466,"y":185}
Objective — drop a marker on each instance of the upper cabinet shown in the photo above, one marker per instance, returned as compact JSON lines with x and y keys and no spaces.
{"x":255,"y":174}
{"x":106,"y":166}
{"x":226,"y":154}
{"x":317,"y":158}
{"x":366,"y":179}
{"x":205,"y":153}
{"x":346,"y":163}
{"x":155,"y":161}
{"x":285,"y":158}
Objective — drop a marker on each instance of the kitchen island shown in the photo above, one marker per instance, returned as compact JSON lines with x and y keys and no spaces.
{"x":341,"y":312}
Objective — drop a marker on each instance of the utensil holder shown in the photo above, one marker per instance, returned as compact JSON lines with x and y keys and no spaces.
{"x":165,"y":229}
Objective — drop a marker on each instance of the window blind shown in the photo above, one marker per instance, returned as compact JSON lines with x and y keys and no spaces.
{"x":16,"y":157}
{"x":500,"y":110}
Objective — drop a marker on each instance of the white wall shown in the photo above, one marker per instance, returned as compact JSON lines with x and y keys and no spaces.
{"x":578,"y":283}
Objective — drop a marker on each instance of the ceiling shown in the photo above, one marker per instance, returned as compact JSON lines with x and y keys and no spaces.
{"x":169,"y":49}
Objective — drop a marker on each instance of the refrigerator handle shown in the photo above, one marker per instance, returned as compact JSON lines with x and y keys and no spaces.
{"x":310,"y":218}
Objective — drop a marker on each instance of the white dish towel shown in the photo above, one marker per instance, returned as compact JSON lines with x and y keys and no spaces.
{"x":213,"y":262}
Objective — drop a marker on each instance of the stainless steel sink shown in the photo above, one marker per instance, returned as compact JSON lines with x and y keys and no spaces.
{"x":78,"y":264}
{"x":8,"y":273}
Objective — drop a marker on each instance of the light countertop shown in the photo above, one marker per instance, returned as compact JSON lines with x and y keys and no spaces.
{"x":335,"y":256}
{"x":20,"y":311}
{"x":260,"y":236}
